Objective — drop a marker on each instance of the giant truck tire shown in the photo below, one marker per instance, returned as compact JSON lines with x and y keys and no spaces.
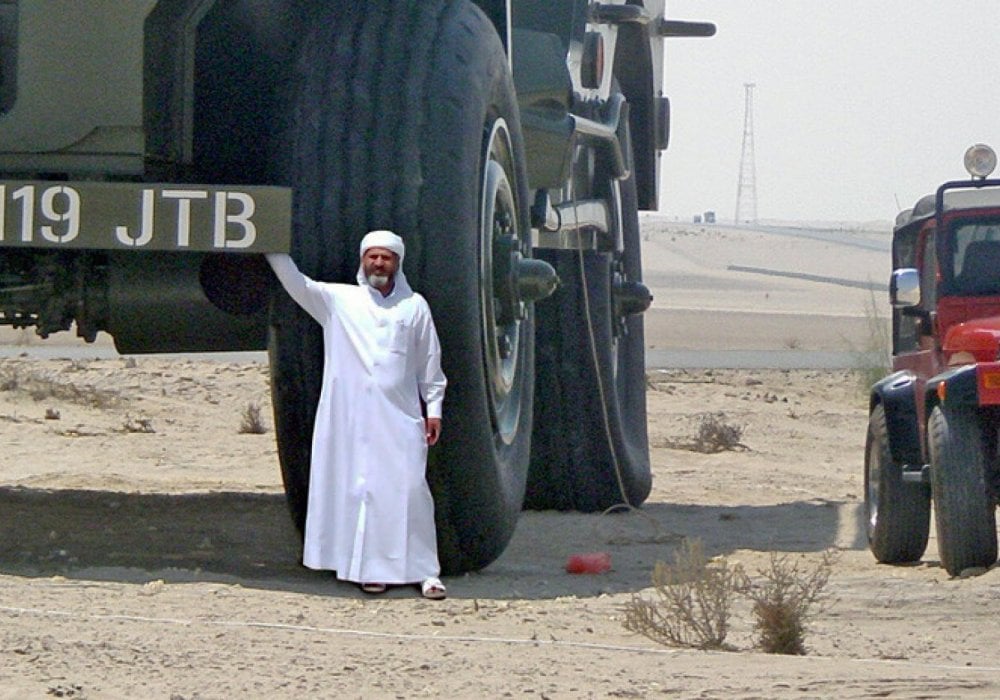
{"x":964,"y":512}
{"x":898,"y":514}
{"x":404,"y":117}
{"x":590,"y":450}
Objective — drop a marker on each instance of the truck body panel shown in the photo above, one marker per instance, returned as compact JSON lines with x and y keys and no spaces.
{"x":176,"y":96}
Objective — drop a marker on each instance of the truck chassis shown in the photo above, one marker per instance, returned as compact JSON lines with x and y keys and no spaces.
{"x":152,"y":150}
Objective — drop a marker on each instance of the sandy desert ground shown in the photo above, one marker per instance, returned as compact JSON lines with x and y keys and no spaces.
{"x":147,"y":551}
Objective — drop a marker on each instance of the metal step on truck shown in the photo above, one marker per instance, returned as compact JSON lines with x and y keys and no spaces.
{"x":152,"y":150}
{"x":935,"y":421}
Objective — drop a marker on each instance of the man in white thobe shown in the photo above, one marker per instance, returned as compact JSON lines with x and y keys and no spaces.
{"x":370,"y":514}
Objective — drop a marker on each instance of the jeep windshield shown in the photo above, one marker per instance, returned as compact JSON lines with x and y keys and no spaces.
{"x":974,"y":248}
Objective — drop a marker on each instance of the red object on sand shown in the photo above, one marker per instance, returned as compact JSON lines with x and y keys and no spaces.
{"x":592,"y":563}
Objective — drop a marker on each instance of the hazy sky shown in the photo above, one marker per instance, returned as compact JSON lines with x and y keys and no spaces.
{"x":858,"y":103}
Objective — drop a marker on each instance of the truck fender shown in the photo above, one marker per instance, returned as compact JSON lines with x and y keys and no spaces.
{"x":897,"y":394}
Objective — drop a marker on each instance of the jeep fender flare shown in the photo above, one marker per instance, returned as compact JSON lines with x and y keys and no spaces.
{"x":961,"y":388}
{"x":897,"y":393}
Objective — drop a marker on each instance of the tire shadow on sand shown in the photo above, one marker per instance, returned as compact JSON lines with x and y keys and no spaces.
{"x":249,"y":539}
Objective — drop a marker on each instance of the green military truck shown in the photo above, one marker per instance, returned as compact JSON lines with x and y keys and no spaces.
{"x":152,"y":150}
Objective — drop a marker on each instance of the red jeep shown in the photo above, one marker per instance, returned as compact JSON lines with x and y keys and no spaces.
{"x":933,"y":423}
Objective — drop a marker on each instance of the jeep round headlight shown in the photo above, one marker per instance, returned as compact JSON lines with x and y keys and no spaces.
{"x":980,"y":160}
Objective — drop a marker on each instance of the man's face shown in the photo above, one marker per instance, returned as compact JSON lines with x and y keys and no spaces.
{"x":379,"y":264}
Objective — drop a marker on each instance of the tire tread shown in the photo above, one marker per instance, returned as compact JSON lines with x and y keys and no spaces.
{"x":902,"y":529}
{"x":965,"y":516}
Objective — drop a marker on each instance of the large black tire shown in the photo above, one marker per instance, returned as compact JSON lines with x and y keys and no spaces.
{"x":898,"y":513}
{"x":404,"y":117}
{"x":964,"y":511}
{"x":590,"y":448}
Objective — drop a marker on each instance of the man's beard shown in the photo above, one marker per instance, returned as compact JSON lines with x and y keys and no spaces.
{"x":377,"y":280}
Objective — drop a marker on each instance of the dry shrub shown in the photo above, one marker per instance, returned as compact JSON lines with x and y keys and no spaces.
{"x":44,"y":386}
{"x":694,"y":601}
{"x":873,"y":360}
{"x":713,"y":435}
{"x":786,"y":600}
{"x":9,"y":382}
{"x":138,"y":424}
{"x":695,"y":597}
{"x":252,"y":423}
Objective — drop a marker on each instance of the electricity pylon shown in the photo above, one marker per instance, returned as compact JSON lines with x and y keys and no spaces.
{"x":746,"y":192}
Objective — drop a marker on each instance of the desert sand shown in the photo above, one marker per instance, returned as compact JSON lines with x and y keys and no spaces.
{"x":147,"y":551}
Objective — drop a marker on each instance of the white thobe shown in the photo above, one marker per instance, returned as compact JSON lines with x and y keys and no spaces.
{"x":370,"y":513}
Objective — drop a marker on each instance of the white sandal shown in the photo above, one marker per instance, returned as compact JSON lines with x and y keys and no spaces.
{"x":433,"y":589}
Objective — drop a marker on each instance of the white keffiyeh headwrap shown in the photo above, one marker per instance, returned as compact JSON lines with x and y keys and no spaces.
{"x":390,"y":241}
{"x":383,"y":239}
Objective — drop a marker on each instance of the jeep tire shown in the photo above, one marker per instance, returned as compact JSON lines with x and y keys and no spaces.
{"x":897,"y":513}
{"x":964,"y":513}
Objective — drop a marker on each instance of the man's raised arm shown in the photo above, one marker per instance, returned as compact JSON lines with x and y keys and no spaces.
{"x":305,"y":291}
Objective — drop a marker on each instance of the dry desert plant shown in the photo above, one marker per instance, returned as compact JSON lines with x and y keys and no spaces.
{"x":44,"y":386}
{"x":251,"y":422}
{"x":694,"y":599}
{"x":9,"y":381}
{"x":714,"y":434}
{"x":137,"y":425}
{"x":872,"y":362}
{"x":786,"y":600}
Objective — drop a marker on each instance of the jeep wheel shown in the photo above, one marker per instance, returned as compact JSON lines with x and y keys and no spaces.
{"x":897,"y":513}
{"x":590,"y":450}
{"x":964,"y":513}
{"x":404,"y":117}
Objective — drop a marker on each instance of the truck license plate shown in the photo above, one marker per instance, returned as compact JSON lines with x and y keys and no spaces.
{"x":142,"y":216}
